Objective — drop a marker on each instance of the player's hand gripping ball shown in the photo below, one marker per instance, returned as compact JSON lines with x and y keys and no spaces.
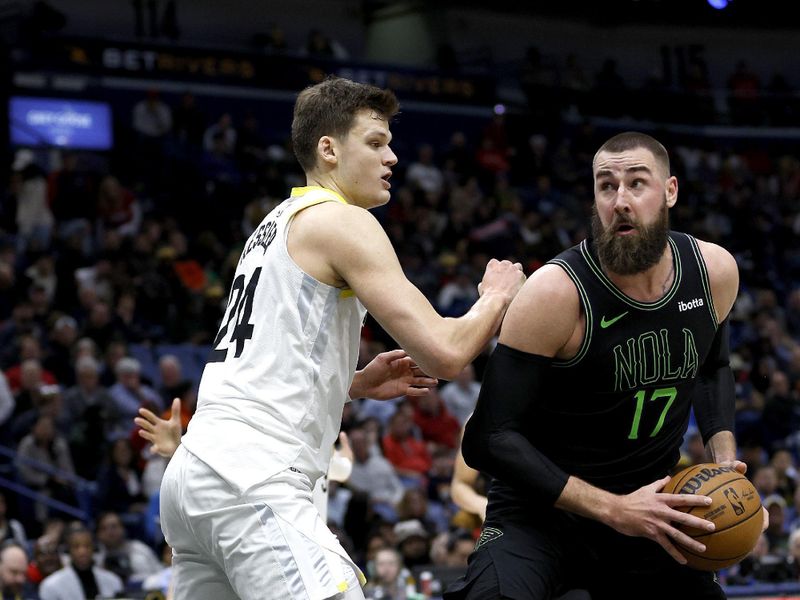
{"x":735,"y":510}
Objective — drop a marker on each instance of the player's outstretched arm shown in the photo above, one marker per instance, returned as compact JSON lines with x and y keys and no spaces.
{"x":389,"y":375}
{"x":163,"y":435}
{"x":361,"y":256}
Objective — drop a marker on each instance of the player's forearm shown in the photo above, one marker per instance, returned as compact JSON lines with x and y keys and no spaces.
{"x":721,"y":447}
{"x":462,"y":339}
{"x":587,"y":500}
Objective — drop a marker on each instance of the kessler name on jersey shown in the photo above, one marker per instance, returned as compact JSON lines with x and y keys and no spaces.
{"x":261,"y":237}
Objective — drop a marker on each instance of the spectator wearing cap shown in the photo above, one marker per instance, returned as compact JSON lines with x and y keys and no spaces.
{"x":777,"y":536}
{"x":129,"y":394}
{"x":413,"y":541}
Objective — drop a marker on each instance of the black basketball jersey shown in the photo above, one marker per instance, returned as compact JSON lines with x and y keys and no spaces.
{"x":615,"y":414}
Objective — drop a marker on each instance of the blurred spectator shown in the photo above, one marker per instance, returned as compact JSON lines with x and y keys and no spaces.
{"x":34,"y":219}
{"x":413,"y":541}
{"x":458,"y":295}
{"x":71,"y":193}
{"x":744,"y":89}
{"x":7,"y":404}
{"x":271,"y":41}
{"x":130,"y":559}
{"x":434,"y":421}
{"x":44,"y":448}
{"x":117,"y":208}
{"x":119,"y":482}
{"x":794,"y":554}
{"x":10,"y":529}
{"x":189,"y":122}
{"x":320,"y":45}
{"x":461,"y":394}
{"x":58,"y":361}
{"x":415,"y":504}
{"x":765,"y":480}
{"x":14,"y":583}
{"x":423,"y":174}
{"x":152,"y":118}
{"x":46,"y":560}
{"x":372,"y":474}
{"x":28,"y":372}
{"x":160,"y":581}
{"x":408,"y":455}
{"x":93,"y":412}
{"x":221,"y":136}
{"x":173,"y":383}
{"x":129,"y":394}
{"x":783,"y":463}
{"x":776,"y":534}
{"x":387,"y":576}
{"x":793,"y":512}
{"x":80,"y":579}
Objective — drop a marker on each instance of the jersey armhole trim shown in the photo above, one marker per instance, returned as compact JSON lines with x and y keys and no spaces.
{"x":587,"y":309}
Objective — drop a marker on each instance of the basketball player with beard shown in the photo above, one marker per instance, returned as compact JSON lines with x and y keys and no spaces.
{"x":587,"y":397}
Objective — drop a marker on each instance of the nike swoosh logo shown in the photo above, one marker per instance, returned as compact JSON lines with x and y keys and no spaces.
{"x":610,"y":322}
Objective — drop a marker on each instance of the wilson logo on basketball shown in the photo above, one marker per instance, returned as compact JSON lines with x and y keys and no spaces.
{"x":691,"y":486}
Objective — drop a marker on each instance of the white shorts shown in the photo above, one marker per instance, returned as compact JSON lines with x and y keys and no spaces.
{"x":270,"y":543}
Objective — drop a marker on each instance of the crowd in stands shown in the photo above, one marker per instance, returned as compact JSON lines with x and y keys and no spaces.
{"x":98,"y":265}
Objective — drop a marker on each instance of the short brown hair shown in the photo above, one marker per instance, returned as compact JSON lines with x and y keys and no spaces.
{"x":329,"y":108}
{"x":631,"y":140}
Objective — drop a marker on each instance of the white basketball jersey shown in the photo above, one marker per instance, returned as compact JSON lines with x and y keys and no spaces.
{"x":272,"y":393}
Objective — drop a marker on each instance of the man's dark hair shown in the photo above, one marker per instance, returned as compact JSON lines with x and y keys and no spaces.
{"x":631,"y":140}
{"x":329,"y":108}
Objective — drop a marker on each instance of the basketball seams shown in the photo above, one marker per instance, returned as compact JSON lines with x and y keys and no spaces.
{"x":736,"y":558}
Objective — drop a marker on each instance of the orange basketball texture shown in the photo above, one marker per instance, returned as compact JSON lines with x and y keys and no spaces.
{"x":735,"y":510}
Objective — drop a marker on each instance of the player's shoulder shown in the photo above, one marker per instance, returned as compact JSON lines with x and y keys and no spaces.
{"x":335,"y":221}
{"x":723,"y":274}
{"x":719,"y":262}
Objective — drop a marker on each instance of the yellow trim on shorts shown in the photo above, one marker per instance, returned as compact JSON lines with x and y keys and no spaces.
{"x":346,"y":293}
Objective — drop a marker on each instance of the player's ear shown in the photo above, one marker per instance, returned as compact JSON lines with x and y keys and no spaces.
{"x":327,"y":150}
{"x":672,"y":191}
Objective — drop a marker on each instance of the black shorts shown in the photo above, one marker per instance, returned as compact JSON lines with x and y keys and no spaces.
{"x":562,"y":551}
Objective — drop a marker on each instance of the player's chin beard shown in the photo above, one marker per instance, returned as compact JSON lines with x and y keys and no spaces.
{"x":630,"y":254}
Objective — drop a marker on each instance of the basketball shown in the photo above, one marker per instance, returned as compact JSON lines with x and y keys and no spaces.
{"x":735,"y":510}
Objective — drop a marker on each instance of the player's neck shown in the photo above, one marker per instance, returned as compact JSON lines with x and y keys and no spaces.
{"x":324,"y":180}
{"x":650,"y":285}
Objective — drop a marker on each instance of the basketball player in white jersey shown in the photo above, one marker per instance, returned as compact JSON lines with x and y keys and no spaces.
{"x":236,"y":497}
